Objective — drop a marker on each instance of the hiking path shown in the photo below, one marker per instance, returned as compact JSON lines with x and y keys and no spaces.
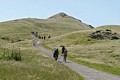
{"x":87,"y":72}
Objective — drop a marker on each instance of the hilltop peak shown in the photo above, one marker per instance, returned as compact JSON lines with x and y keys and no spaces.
{"x":59,"y":15}
{"x":62,"y":14}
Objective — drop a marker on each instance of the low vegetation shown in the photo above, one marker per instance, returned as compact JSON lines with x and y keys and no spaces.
{"x":33,"y":66}
{"x":10,"y":54}
{"x":24,"y":62}
{"x":27,"y":63}
{"x":104,"y":34}
{"x":100,"y":54}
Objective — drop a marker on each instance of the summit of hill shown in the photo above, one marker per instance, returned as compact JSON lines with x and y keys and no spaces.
{"x":63,"y":15}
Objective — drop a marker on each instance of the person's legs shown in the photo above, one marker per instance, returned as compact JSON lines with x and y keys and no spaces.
{"x":56,"y":57}
{"x":65,"y":58}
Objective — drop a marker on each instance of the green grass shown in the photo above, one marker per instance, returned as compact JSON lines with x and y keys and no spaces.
{"x":10,"y":54}
{"x":35,"y":65}
{"x":43,"y":26}
{"x":102,"y":67}
{"x":100,"y":54}
{"x":46,"y":47}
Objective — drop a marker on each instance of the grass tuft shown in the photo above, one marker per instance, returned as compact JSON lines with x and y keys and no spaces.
{"x":11,"y":54}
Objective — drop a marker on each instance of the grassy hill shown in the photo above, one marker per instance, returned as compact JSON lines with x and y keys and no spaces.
{"x":51,"y":26}
{"x":16,"y":34}
{"x":34,"y":65}
{"x":100,"y":54}
{"x":20,"y":29}
{"x":65,"y":30}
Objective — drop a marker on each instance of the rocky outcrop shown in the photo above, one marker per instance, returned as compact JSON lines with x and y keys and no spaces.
{"x":104,"y":34}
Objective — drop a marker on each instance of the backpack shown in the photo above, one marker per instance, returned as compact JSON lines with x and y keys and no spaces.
{"x":55,"y":52}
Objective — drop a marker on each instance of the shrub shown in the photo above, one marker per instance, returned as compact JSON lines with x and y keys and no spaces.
{"x":5,"y":38}
{"x":100,"y":35}
{"x":9,"y":54}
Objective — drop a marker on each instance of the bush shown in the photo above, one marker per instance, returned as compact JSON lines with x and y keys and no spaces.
{"x":5,"y":38}
{"x":8,"y":54}
{"x":101,"y":35}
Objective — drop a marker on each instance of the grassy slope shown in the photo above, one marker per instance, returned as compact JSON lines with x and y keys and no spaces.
{"x":21,"y":29}
{"x":34,"y":64}
{"x":102,"y":54}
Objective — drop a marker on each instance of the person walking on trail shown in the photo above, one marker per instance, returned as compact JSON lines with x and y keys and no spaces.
{"x":65,"y":55}
{"x":63,"y":48}
{"x":55,"y":53}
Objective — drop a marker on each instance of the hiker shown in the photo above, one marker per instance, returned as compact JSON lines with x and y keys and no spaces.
{"x":44,"y":37}
{"x":39,"y":37}
{"x":55,"y":53}
{"x":65,"y":55}
{"x":49,"y":36}
{"x":63,"y":48}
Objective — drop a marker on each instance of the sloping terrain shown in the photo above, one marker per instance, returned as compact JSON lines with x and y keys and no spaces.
{"x":87,"y":72}
{"x":22,"y":28}
{"x":100,"y":54}
{"x":68,"y":31}
{"x":34,"y":65}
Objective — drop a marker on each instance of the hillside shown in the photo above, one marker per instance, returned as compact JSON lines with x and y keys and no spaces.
{"x":68,"y":31}
{"x":104,"y":52}
{"x":15,"y":37}
{"x":51,"y":26}
{"x":64,"y":18}
{"x":34,"y":65}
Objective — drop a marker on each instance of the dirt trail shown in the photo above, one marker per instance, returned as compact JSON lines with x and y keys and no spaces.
{"x":86,"y":72}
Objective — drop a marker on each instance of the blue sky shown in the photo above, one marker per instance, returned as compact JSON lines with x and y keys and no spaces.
{"x":92,"y":12}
